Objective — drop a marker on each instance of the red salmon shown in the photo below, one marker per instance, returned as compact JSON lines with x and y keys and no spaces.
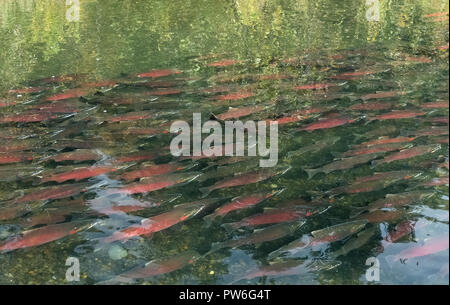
{"x":234,"y":96}
{"x":223,"y":63}
{"x":408,"y":153}
{"x":158,"y":73}
{"x":314,"y":86}
{"x":156,"y":183}
{"x":158,"y":223}
{"x":399,"y":114}
{"x":327,"y":123}
{"x":80,"y":174}
{"x":152,"y":170}
{"x":43,"y":235}
{"x":72,"y":93}
{"x":239,"y":203}
{"x":59,"y":192}
{"x":235,"y":113}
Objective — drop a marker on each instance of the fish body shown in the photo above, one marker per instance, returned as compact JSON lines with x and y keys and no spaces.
{"x":337,"y":232}
{"x":408,"y":153}
{"x":234,"y":96}
{"x":30,"y":117}
{"x":342,"y":164}
{"x":374,"y":149}
{"x":273,"y":216}
{"x":323,"y":236}
{"x":223,"y":63}
{"x":379,"y":216}
{"x":327,"y":123}
{"x":374,"y":182}
{"x":399,"y":114}
{"x":381,"y":95}
{"x":290,"y":267}
{"x":151,"y":170}
{"x":156,"y":183}
{"x":158,"y":73}
{"x":239,"y":203}
{"x":69,"y":94}
{"x":317,"y":146}
{"x":401,"y":230}
{"x":371,"y":106}
{"x":399,"y":200}
{"x":360,"y":240}
{"x":77,"y":155}
{"x":80,"y":174}
{"x":245,"y":179}
{"x":162,"y":266}
{"x":50,"y":193}
{"x":235,"y":113}
{"x":6,"y":158}
{"x":158,"y":223}
{"x":314,"y":86}
{"x":131,"y":116}
{"x":259,"y":236}
{"x":386,"y":140}
{"x":43,"y":235}
{"x":433,"y":105}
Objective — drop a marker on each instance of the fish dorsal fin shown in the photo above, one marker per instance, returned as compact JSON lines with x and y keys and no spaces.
{"x":153,"y":261}
{"x":258,"y":230}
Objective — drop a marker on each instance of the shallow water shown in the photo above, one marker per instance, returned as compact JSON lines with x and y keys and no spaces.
{"x":222,"y":54}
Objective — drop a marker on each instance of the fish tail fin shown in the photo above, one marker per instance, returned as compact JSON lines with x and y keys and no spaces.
{"x":203,"y":178}
{"x":230,"y":227}
{"x":209,"y":219}
{"x":101,"y":244}
{"x":336,"y":154}
{"x":376,"y":163}
{"x":274,"y":254}
{"x":205,"y":191}
{"x":357,"y":212}
{"x":214,"y":247}
{"x":369,"y":120}
{"x":312,"y":172}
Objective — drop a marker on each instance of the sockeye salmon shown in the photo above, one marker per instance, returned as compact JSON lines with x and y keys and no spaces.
{"x":50,"y":193}
{"x":156,"y":267}
{"x":260,"y":236}
{"x":396,"y":201}
{"x":399,"y":114}
{"x":239,"y":203}
{"x":156,"y":183}
{"x":152,"y":170}
{"x":245,"y":179}
{"x":159,"y":222}
{"x":44,"y":235}
{"x":319,"y":237}
{"x":273,"y":216}
{"x":341,"y":164}
{"x":158,"y":73}
{"x":327,"y":123}
{"x":408,"y":153}
{"x":80,"y":174}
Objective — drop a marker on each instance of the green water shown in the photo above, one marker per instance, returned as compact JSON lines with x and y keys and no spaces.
{"x":309,"y":41}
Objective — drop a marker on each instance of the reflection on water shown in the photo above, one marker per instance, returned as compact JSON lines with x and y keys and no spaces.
{"x":86,"y":170}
